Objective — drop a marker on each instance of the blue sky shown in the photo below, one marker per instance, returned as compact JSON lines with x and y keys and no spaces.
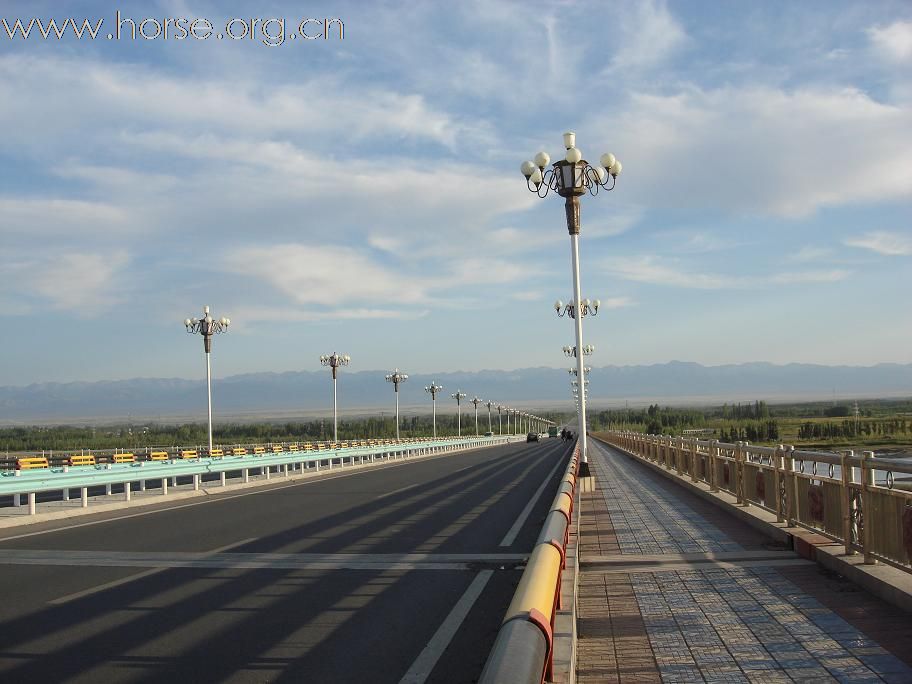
{"x":363,"y":195}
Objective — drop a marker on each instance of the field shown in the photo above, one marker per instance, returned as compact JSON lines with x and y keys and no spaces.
{"x":883,"y":425}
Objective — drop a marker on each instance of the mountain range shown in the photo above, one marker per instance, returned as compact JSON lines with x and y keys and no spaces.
{"x":303,"y":393}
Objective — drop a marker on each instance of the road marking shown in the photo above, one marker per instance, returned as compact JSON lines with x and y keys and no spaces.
{"x":397,"y":491}
{"x":132,"y":578}
{"x":521,"y":520}
{"x":265,"y":489}
{"x":427,"y":659}
{"x":220,"y":559}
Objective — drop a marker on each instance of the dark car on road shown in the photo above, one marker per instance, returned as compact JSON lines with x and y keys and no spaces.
{"x":532,"y":437}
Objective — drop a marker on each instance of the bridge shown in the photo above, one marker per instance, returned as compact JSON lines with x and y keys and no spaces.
{"x":480,"y":559}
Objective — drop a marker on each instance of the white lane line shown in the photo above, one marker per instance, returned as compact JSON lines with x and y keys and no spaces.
{"x":133,"y":578}
{"x":418,"y":484}
{"x":521,"y":520}
{"x":226,"y":497}
{"x":427,"y":659}
{"x":397,"y":491}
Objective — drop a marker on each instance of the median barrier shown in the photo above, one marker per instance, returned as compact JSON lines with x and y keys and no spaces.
{"x":523,"y":651}
{"x":123,"y":458}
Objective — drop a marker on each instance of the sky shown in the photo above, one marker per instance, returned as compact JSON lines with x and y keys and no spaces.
{"x":363,"y":194}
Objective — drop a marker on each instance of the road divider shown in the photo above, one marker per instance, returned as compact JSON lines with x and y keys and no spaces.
{"x":524,"y":648}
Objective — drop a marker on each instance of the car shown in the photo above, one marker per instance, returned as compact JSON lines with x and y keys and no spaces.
{"x":532,"y":437}
{"x":489,"y":434}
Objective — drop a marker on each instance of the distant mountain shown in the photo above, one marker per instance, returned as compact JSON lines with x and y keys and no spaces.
{"x":299,"y":393}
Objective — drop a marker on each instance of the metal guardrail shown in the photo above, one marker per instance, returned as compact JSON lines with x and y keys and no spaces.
{"x":30,"y":482}
{"x":523,"y":650}
{"x":59,"y":457}
{"x":853,"y":499}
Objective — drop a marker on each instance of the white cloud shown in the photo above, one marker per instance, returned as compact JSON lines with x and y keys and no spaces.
{"x":882,"y":242}
{"x":54,"y":216}
{"x":81,"y":283}
{"x":651,"y":269}
{"x":762,"y":150}
{"x":658,"y":271}
{"x":810,"y":253}
{"x":791,"y":277}
{"x":893,"y":41}
{"x":645,"y":37}
{"x":321,"y":108}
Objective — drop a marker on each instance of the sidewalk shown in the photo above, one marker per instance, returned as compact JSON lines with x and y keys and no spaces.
{"x":673,"y":590}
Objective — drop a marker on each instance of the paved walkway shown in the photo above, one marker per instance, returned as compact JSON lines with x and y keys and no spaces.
{"x":672,"y":589}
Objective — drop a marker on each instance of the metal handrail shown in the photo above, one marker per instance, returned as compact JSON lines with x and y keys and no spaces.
{"x":852,"y":498}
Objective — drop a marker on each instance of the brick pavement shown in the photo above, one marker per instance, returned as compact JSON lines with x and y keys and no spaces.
{"x":710,"y":620}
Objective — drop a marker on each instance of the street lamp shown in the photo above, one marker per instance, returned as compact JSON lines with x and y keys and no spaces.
{"x":571,"y":351}
{"x":396,"y":377}
{"x":207,"y":327}
{"x":334,"y":361}
{"x":433,"y":389}
{"x":571,"y":178}
{"x":458,"y":396}
{"x":575,"y":371}
{"x":489,"y":405}
{"x":500,"y":417}
{"x":476,"y":401}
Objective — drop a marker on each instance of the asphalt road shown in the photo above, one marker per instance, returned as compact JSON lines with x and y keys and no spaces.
{"x":390,"y":574}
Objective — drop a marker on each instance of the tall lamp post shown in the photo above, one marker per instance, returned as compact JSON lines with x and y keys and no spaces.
{"x":433,"y":389}
{"x":207,"y":327}
{"x":489,"y":404}
{"x":335,"y":361}
{"x":458,"y":396}
{"x":571,"y":178}
{"x":476,"y":401}
{"x":500,"y":418}
{"x":396,"y":378}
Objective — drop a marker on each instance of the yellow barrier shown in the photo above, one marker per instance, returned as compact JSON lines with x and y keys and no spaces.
{"x":31,"y":463}
{"x":216,"y":453}
{"x":158,"y":456}
{"x":81,"y":460}
{"x":277,"y":448}
{"x":537,"y":587}
{"x":189,"y":453}
{"x":293,"y":447}
{"x":239,"y":451}
{"x":123,"y":458}
{"x":259,"y":450}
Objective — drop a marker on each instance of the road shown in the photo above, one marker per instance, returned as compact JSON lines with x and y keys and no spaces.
{"x":396,"y":573}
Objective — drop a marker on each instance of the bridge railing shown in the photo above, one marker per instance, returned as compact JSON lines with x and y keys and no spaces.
{"x":855,"y":499}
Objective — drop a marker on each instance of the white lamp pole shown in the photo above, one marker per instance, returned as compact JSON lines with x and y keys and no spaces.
{"x":207,"y":327}
{"x":476,"y":401}
{"x":334,"y":361}
{"x":571,"y":178}
{"x":433,"y":389}
{"x":396,"y":377}
{"x":458,"y":396}
{"x":489,"y":405}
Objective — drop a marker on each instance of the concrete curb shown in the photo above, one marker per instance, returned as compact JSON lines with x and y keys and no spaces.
{"x":884,"y":581}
